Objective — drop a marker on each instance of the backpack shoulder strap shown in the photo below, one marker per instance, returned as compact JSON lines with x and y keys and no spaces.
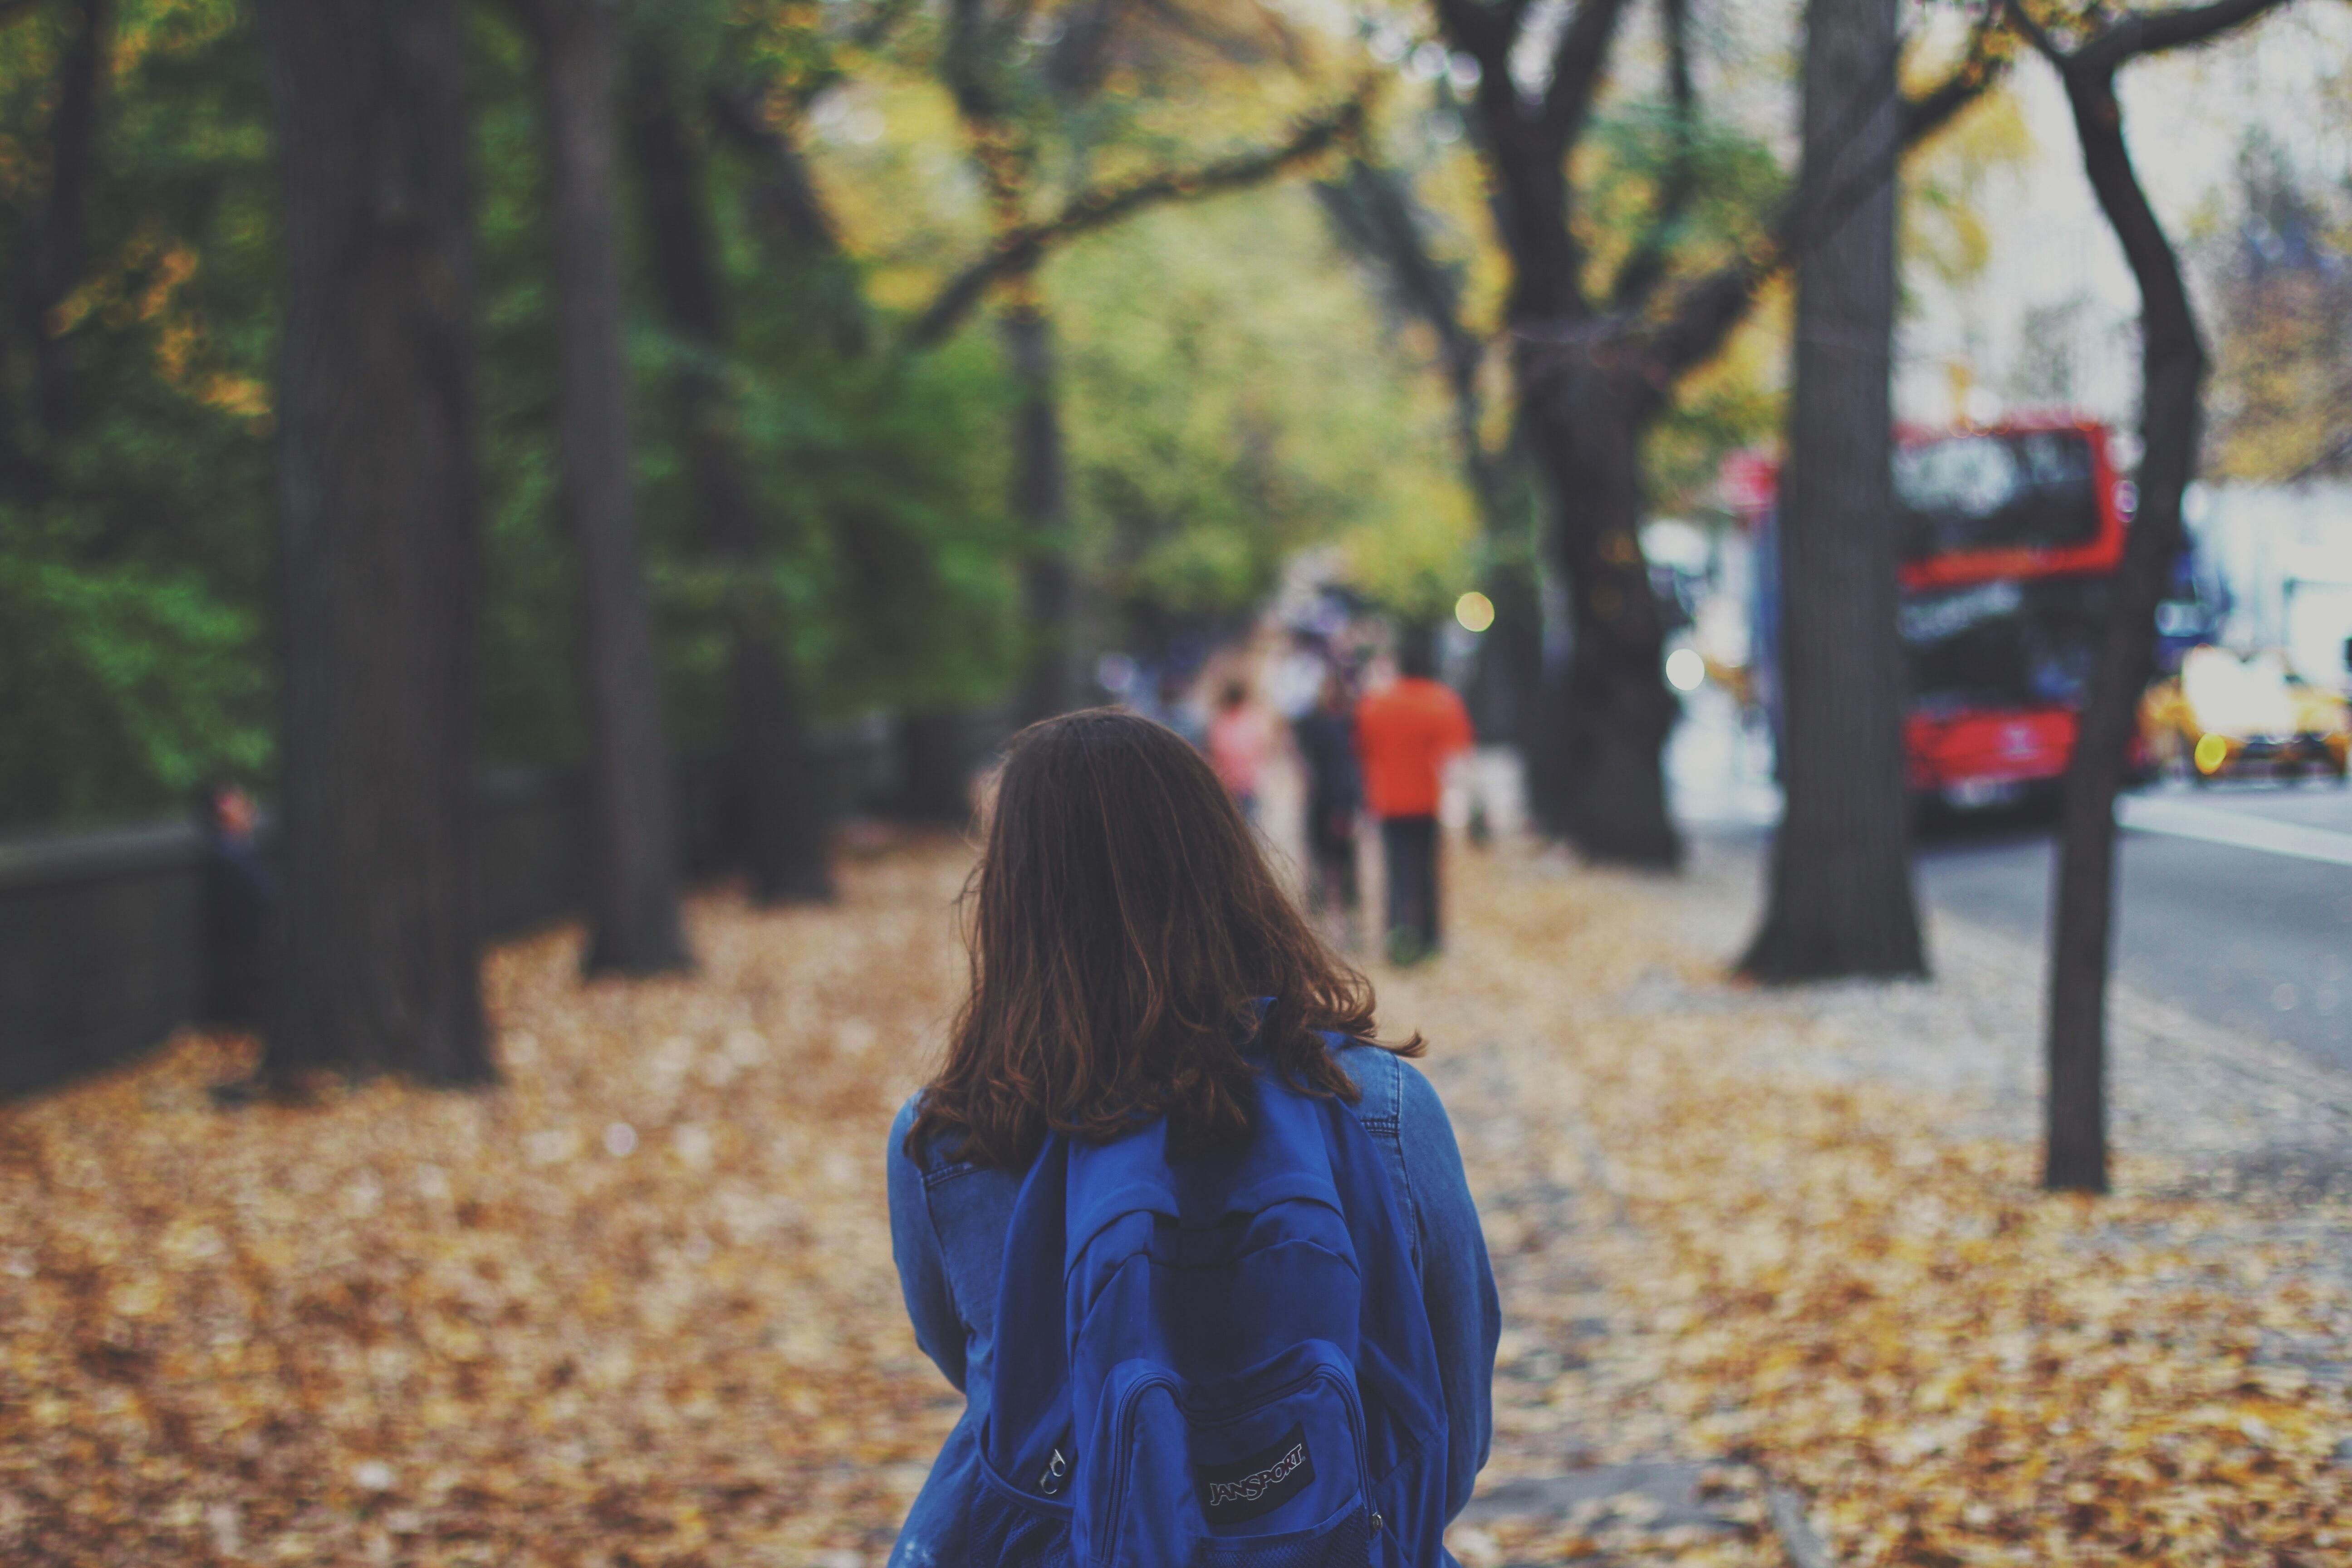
{"x":1029,"y":1375}
{"x":1285,"y":1158}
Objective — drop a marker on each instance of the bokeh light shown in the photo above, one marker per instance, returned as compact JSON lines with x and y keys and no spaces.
{"x":1475,"y":611}
{"x":1686,"y":670}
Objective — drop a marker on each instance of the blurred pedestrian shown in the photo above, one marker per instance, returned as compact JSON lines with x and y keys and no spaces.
{"x":1159,"y":1064}
{"x":1179,"y":713}
{"x":1325,"y":736}
{"x":238,"y":895}
{"x":1406,"y":733}
{"x":1240,"y":738}
{"x":1295,"y":680}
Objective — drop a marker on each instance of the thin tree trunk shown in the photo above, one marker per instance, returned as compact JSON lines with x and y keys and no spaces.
{"x":380,"y":538}
{"x":935,"y":759}
{"x":772,"y":783}
{"x":54,"y":256}
{"x":632,"y":830}
{"x":1040,"y":504}
{"x":2172,"y":370}
{"x":1841,"y":899}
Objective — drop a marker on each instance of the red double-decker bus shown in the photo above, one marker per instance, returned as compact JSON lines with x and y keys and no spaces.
{"x":2009,"y":538}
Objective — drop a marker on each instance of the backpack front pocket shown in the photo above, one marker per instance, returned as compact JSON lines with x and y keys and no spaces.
{"x":1275,"y":1456}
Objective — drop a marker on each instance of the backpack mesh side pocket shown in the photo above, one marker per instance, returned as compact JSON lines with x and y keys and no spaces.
{"x":1011,"y":1530}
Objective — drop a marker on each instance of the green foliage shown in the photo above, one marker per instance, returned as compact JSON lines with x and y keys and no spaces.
{"x":135,"y":586}
{"x":889,"y":555}
{"x":1230,"y":391}
{"x":530,"y":705}
{"x":881,"y":478}
{"x":1734,"y":182}
{"x":1737,"y":401}
{"x":1233,"y":396}
{"x":133,"y":544}
{"x":121,"y":682}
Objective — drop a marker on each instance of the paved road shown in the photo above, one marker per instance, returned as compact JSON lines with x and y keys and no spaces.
{"x":2235,"y":900}
{"x":2256,"y":939}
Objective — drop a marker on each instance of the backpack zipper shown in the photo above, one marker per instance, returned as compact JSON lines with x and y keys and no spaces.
{"x":1119,"y":1429}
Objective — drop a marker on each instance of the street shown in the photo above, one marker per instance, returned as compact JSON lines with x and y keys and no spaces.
{"x":2235,"y":900}
{"x":2249,"y":938}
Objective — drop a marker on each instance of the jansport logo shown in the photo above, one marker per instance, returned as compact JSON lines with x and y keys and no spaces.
{"x":1257,"y":1483}
{"x":1251,"y":1488}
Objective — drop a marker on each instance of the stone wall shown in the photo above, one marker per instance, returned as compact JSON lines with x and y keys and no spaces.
{"x":99,"y":932}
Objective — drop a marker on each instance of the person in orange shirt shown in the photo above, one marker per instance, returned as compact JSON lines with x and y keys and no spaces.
{"x":1405,"y":734}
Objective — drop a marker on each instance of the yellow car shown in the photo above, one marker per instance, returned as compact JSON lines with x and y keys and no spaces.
{"x":2223,"y":714}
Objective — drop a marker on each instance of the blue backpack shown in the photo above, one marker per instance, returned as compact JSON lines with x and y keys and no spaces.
{"x":1219,"y":1359}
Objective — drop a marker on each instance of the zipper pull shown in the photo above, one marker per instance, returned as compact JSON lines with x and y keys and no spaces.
{"x":1055,"y":1468}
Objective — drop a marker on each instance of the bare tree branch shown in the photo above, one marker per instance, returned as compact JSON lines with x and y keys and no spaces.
{"x":1486,"y":33}
{"x":1019,"y":249}
{"x":970,"y":46}
{"x":1374,"y":211}
{"x":1576,"y":64}
{"x":1711,"y":307}
{"x":870,"y":33}
{"x":2112,"y":44}
{"x":1963,"y":85}
{"x":2034,"y":33}
{"x":788,"y":192}
{"x":2153,"y":32}
{"x":1227,"y":44}
{"x":2088,"y":71}
{"x":1373,"y":208}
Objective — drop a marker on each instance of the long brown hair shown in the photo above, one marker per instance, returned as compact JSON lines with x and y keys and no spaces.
{"x":1123,"y":924}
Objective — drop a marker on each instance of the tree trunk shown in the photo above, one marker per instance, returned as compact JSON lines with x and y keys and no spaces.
{"x":1841,"y":897}
{"x":380,"y":538}
{"x":2172,"y":370}
{"x":1596,"y":770}
{"x":771,"y":776}
{"x":786,"y":206}
{"x":1510,"y":665}
{"x":53,"y":251}
{"x":1040,"y":504}
{"x":935,"y":759}
{"x":632,"y":823}
{"x":1609,"y":711}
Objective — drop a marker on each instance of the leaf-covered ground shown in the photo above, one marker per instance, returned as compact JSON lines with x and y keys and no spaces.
{"x":636,"y":1305}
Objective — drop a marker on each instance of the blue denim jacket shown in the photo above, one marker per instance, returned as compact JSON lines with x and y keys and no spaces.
{"x":948,"y":1223}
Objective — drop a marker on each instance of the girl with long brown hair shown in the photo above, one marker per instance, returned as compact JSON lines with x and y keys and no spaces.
{"x":1137,"y":971}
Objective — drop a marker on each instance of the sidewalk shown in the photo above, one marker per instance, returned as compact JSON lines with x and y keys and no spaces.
{"x":1778,"y":1286}
{"x":1762,"y":1247}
